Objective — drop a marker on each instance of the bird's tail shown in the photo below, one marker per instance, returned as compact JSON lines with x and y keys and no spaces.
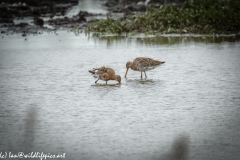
{"x":158,"y":62}
{"x":92,"y":71}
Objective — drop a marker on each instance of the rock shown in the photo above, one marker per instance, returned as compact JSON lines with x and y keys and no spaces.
{"x":110,"y":4}
{"x":36,"y":13}
{"x":83,"y":13}
{"x":138,"y":8}
{"x":129,"y":8}
{"x":141,"y":8}
{"x":39,"y":22}
{"x":75,"y":2}
{"x":81,"y":19}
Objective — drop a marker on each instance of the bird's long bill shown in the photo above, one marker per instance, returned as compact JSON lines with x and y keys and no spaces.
{"x":126,"y":73}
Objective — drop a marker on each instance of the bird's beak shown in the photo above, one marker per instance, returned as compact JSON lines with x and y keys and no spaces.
{"x":126,"y":73}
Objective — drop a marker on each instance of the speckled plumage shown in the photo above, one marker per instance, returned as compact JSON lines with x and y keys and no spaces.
{"x":105,"y":74}
{"x":143,"y":64}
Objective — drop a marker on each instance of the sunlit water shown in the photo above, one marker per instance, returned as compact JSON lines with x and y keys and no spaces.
{"x":91,"y":6}
{"x":189,"y":108}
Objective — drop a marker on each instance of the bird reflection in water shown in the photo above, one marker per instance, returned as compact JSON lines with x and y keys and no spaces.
{"x":179,"y":151}
{"x":29,"y":132}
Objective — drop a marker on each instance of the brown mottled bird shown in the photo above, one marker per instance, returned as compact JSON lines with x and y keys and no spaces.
{"x":105,"y":74}
{"x":142,"y":64}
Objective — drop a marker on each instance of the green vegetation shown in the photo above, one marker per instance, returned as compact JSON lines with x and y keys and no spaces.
{"x":198,"y":16}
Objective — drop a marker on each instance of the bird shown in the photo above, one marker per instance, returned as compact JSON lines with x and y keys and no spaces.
{"x":105,"y":74}
{"x":142,"y":64}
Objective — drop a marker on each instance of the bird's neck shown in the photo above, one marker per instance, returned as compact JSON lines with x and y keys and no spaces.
{"x":115,"y":77}
{"x":134,"y":67}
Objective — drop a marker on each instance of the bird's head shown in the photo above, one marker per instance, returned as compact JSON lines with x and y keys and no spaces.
{"x":128,"y":65}
{"x":118,"y":78}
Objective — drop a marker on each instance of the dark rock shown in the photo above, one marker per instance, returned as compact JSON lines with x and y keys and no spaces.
{"x":129,"y":8}
{"x":39,"y":22}
{"x":23,"y":8}
{"x":117,"y":9}
{"x":127,"y":13}
{"x":83,"y":13}
{"x":81,"y":19}
{"x":110,"y":4}
{"x":134,"y":7}
{"x":36,"y":13}
{"x":74,"y":2}
{"x":140,"y":8}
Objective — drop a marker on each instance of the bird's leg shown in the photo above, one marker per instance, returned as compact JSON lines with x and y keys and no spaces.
{"x":106,"y":82}
{"x":145,"y":75}
{"x":141,"y":74}
{"x":96,"y":80}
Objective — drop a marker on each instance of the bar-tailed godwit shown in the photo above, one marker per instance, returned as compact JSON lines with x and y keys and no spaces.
{"x":105,"y":74}
{"x":142,"y":64}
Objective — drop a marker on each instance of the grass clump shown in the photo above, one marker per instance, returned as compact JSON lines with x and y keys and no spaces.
{"x":198,"y":16}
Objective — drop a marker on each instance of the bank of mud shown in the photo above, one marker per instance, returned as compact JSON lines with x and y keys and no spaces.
{"x":35,"y":17}
{"x":39,"y":16}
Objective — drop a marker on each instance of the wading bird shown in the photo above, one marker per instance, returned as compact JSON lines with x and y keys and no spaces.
{"x":105,"y":74}
{"x":142,"y":64}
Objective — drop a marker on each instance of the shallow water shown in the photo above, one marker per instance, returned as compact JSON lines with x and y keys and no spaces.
{"x":188,"y":108}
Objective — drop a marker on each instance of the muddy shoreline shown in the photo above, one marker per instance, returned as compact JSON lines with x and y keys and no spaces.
{"x":37,"y":17}
{"x":34,"y":18}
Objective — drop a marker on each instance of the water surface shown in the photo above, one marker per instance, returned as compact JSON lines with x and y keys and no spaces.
{"x":189,"y":108}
